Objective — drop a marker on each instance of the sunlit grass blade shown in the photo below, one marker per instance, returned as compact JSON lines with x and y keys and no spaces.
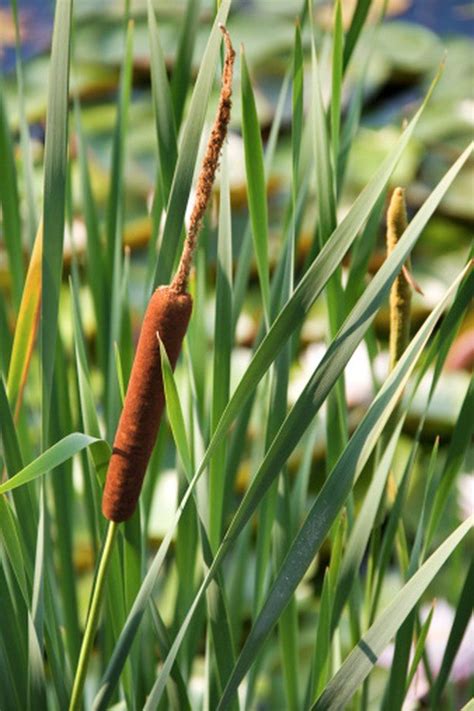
{"x":26,"y":327}
{"x":60,"y":484}
{"x":183,"y":61}
{"x":327,"y":220}
{"x":54,"y":456}
{"x":362,"y":528}
{"x":336,"y":92}
{"x":320,"y":663}
{"x":10,"y":203}
{"x":55,"y":177}
{"x":115,"y":220}
{"x":95,"y":253}
{"x":114,"y":205}
{"x":420,"y":648}
{"x":162,"y":105}
{"x":12,"y":545}
{"x":25,"y":140}
{"x":218,"y":615}
{"x":357,"y":23}
{"x":24,"y":499}
{"x":361,"y":660}
{"x":331,"y":498}
{"x":256,"y":185}
{"x":222,"y":353}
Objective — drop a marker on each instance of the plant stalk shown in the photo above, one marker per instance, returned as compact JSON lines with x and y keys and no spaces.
{"x":92,"y":617}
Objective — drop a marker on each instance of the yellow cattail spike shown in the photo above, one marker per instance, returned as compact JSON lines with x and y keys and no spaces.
{"x":400,"y":293}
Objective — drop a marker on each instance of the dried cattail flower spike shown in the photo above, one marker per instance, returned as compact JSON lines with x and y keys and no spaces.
{"x":168,"y":314}
{"x":400,"y":293}
{"x":209,"y":167}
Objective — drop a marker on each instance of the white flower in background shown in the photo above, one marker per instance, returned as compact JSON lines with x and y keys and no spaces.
{"x":465,"y":495}
{"x":440,"y":627}
{"x":357,"y":374}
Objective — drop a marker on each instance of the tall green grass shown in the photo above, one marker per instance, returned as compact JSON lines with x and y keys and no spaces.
{"x":223,"y":606}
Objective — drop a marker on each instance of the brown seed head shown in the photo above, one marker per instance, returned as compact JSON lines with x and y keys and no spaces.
{"x":168,"y":314}
{"x":208,"y":169}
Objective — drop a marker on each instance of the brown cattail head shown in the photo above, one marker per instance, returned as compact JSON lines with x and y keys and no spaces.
{"x":208,"y":168}
{"x":168,"y":314}
{"x":400,"y":293}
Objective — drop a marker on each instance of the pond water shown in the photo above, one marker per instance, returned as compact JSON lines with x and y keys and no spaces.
{"x":445,"y":17}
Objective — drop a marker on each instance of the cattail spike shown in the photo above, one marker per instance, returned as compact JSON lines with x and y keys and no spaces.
{"x":400,"y":293}
{"x":208,"y":169}
{"x":168,"y":314}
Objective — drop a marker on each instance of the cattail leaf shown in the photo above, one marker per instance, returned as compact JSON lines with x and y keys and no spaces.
{"x":256,"y":185}
{"x":24,"y":499}
{"x":55,"y":177}
{"x":26,"y":327}
{"x":360,"y":533}
{"x":162,"y":106}
{"x":337,"y":73}
{"x":222,"y":352}
{"x":291,"y":315}
{"x":360,"y":661}
{"x":357,"y":23}
{"x":96,"y":274}
{"x":13,"y":656}
{"x":320,"y":662}
{"x":338,"y":484}
{"x":114,"y":205}
{"x":60,"y":452}
{"x":9,"y":202}
{"x":188,"y":150}
{"x":174,"y":411}
{"x":86,"y":398}
{"x":419,"y":649}
{"x":114,"y":260}
{"x":183,"y":63}
{"x":336,"y":422}
{"x":12,"y":544}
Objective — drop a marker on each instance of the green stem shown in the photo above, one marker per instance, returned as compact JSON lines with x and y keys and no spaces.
{"x":93,"y":617}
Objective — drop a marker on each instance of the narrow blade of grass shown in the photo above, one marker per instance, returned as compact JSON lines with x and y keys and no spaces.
{"x":222,"y":352}
{"x":10,"y":203}
{"x":361,"y":660}
{"x":55,"y":177}
{"x":162,"y":105}
{"x":26,"y":327}
{"x":256,"y":185}
{"x":60,"y":452}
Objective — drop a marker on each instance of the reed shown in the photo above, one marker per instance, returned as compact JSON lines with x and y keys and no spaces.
{"x":167,"y":316}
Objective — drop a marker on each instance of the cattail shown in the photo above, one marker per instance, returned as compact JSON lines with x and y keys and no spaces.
{"x":167,"y":315}
{"x":400,"y":293}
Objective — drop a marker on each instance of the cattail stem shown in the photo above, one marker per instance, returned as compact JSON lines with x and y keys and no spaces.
{"x":92,"y":617}
{"x":400,"y":293}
